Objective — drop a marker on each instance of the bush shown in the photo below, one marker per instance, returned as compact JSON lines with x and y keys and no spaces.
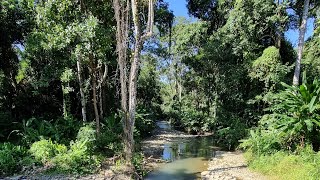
{"x":144,"y":124}
{"x":44,"y":150}
{"x":230,"y":134}
{"x":13,"y":158}
{"x":87,"y":137}
{"x":109,"y":141}
{"x":137,"y":161}
{"x":77,"y":158}
{"x":261,"y":142}
{"x":61,"y":130}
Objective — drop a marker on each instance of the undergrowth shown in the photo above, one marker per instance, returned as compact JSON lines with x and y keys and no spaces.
{"x":283,"y":165}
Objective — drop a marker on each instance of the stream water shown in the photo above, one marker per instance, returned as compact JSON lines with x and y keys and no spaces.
{"x":187,"y":159}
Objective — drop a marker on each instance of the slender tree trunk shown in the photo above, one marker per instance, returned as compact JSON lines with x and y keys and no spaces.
{"x":100,"y":89}
{"x":279,"y":33}
{"x":95,"y":104}
{"x":101,"y":103}
{"x":94,"y":92}
{"x":139,"y":40}
{"x":302,"y":31}
{"x":133,"y":97}
{"x":82,"y":95}
{"x":64,"y":99}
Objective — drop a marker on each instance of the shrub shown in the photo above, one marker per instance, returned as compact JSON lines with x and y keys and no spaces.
{"x":230,"y":133}
{"x":295,"y":113}
{"x":44,"y":150}
{"x":261,"y":142}
{"x":144,"y":124}
{"x":61,"y":130}
{"x":109,"y":141}
{"x":79,"y":158}
{"x":12,"y":158}
{"x":137,"y":161}
{"x":76,"y":160}
{"x":87,"y":137}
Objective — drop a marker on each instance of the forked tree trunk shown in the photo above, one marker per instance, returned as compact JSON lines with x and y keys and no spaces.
{"x":302,"y":31}
{"x":129,"y":105}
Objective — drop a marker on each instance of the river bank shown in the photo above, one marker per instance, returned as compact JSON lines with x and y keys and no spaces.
{"x":229,"y":166}
{"x":172,"y":154}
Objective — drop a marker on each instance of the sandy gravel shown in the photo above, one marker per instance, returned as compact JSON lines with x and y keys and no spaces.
{"x":229,"y":166}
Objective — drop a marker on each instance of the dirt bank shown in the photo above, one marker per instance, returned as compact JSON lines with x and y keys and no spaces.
{"x":229,"y":166}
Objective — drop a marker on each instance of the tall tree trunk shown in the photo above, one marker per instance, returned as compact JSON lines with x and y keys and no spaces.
{"x":279,"y":33}
{"x":65,"y":99}
{"x":94,"y":92}
{"x":128,"y":106}
{"x":133,"y":98}
{"x":82,"y":95}
{"x":101,"y":103}
{"x":95,"y":104}
{"x":139,"y":40}
{"x":302,"y":31}
{"x":100,"y":89}
{"x":64,"y":103}
{"x":121,"y":10}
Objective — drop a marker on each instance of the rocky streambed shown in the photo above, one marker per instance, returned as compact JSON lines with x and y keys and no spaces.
{"x":177,"y":155}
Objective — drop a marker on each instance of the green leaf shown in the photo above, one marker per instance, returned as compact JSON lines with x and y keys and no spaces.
{"x":304,"y":77}
{"x":309,"y":124}
{"x":311,"y":104}
{"x":303,"y":91}
{"x":316,"y":122}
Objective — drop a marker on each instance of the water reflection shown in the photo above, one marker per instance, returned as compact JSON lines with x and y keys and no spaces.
{"x":195,"y":147}
{"x":183,"y":169}
{"x":187,"y":159}
{"x":163,"y":125}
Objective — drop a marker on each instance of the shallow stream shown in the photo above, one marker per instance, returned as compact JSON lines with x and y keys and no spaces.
{"x":187,"y":159}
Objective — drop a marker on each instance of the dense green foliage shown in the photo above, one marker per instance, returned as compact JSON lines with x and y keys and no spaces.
{"x":285,"y":144}
{"x":13,"y":158}
{"x":77,"y":158}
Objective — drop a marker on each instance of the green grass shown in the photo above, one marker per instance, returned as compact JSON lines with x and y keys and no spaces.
{"x":283,"y":165}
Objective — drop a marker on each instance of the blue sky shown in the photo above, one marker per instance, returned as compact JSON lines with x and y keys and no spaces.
{"x":179,"y":9}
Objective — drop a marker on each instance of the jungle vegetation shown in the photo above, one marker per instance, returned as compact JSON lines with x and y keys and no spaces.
{"x":84,"y":80}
